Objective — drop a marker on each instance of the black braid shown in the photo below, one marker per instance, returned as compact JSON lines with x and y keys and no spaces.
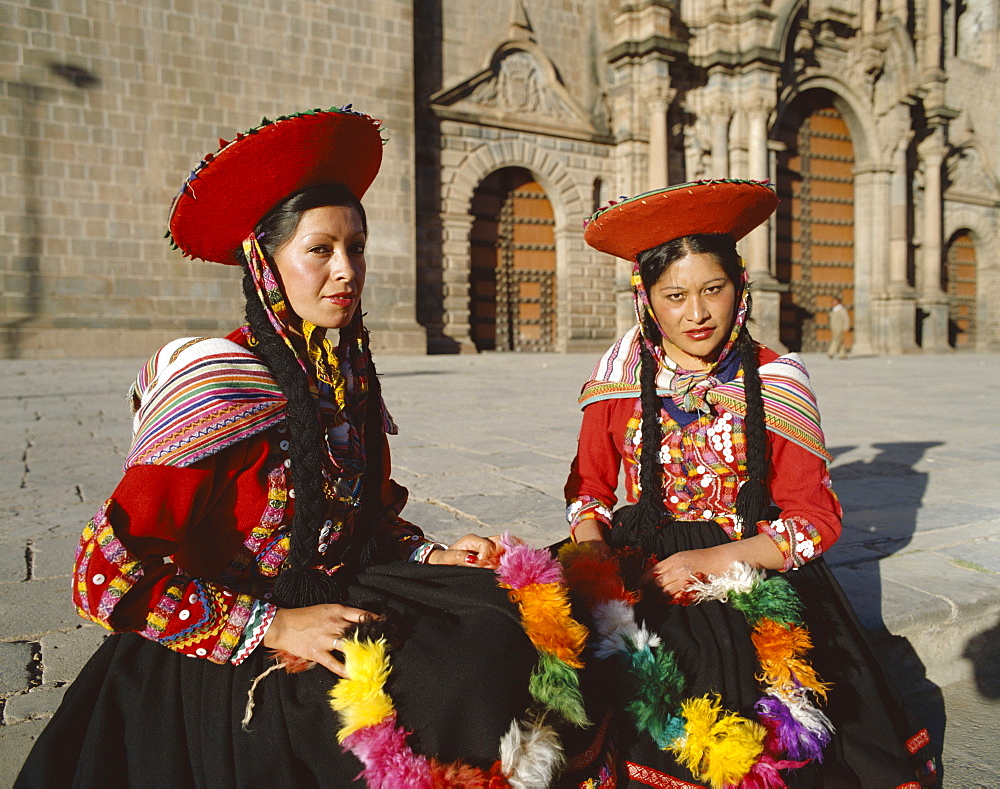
{"x":637,"y":525}
{"x":296,"y":586}
{"x":754,"y":497}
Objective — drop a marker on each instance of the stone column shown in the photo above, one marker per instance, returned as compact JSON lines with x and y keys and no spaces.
{"x":720,"y":115}
{"x":864,"y":199}
{"x":876,"y":263}
{"x":900,"y":305}
{"x":933,"y":301}
{"x":757,"y":245}
{"x":932,"y":36}
{"x":659,"y":175}
{"x":457,"y":268}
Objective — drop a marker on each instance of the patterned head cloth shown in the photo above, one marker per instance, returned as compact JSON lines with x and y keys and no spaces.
{"x":688,"y":387}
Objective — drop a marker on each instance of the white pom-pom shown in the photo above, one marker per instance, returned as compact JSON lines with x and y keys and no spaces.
{"x":530,"y":755}
{"x":612,"y":615}
{"x":805,"y":713}
{"x":740,"y":577}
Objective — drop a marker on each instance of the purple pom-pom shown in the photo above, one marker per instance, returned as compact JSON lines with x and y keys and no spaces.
{"x":793,"y":737}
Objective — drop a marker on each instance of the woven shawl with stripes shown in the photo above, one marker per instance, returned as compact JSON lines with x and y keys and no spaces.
{"x":195,"y":397}
{"x":790,"y":408}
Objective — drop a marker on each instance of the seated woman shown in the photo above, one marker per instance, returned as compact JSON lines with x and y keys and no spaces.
{"x":257,"y":516}
{"x":713,"y":679}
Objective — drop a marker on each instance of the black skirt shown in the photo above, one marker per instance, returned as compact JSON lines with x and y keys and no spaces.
{"x":140,"y":714}
{"x":874,"y":733}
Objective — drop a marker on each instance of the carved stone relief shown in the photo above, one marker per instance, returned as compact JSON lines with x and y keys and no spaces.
{"x":519,"y":87}
{"x":966,"y":173}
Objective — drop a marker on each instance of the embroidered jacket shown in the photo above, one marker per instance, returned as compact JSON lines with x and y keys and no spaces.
{"x":704,"y":464}
{"x":186,"y":554}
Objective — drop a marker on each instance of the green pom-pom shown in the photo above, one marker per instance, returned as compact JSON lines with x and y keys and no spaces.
{"x":657,"y":686}
{"x":773,"y":598}
{"x":557,"y":686}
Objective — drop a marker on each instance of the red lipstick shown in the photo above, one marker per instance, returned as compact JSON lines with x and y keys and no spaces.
{"x":340,"y":299}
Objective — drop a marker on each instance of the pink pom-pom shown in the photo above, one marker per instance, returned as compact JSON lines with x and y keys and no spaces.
{"x":389,"y":762}
{"x":522,"y":565}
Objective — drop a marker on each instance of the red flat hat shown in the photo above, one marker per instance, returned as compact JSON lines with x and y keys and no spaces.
{"x":230,"y":191}
{"x":732,"y":207}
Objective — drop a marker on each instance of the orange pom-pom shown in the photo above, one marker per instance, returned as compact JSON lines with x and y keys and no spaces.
{"x":545,"y":612}
{"x":780,"y":649}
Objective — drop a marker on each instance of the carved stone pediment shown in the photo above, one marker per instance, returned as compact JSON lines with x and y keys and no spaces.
{"x":519,"y":89}
{"x":968,"y":178}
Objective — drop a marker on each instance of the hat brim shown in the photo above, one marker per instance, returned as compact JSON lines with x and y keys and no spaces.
{"x":232,"y":190}
{"x":648,"y":220}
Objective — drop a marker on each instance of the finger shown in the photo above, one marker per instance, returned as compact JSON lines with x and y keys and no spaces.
{"x":331,"y":663}
{"x":355,"y":614}
{"x":473,"y":559}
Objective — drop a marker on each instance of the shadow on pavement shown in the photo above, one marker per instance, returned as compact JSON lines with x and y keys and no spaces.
{"x":881,"y":498}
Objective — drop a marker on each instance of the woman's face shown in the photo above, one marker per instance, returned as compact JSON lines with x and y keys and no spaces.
{"x":695,"y":304}
{"x":322,"y":266}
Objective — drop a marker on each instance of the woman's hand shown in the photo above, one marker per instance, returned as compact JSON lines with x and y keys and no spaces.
{"x":590,"y":532}
{"x":313,"y":632}
{"x":677,"y":571}
{"x":472,"y":551}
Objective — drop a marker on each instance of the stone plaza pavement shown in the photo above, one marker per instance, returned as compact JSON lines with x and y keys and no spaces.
{"x":485,"y":442}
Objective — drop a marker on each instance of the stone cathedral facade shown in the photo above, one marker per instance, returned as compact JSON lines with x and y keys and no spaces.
{"x":510,"y":122}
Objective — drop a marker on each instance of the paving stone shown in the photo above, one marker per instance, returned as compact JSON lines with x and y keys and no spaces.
{"x":15,"y":670}
{"x":63,"y":654}
{"x":16,"y":742}
{"x":53,"y":556}
{"x":31,"y":609}
{"x":38,"y":703}
{"x":13,"y":567}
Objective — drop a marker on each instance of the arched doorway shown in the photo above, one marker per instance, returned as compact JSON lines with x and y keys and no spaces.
{"x":960,"y":285}
{"x":513,"y":274}
{"x":815,"y":219}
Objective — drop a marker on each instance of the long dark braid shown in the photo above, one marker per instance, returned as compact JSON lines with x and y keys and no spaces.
{"x":753,"y":499}
{"x":638,"y":523}
{"x":297,"y":585}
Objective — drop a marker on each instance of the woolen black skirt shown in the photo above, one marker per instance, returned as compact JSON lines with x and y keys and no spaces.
{"x":712,"y":642}
{"x":140,"y":714}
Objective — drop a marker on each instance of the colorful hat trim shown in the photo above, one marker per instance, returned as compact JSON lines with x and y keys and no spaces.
{"x":230,"y":191}
{"x":627,"y":227}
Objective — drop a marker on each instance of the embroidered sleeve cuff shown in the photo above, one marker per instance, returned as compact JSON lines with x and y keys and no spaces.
{"x":421,"y":554}
{"x":796,"y":538}
{"x":587,"y":508}
{"x":260,"y":620}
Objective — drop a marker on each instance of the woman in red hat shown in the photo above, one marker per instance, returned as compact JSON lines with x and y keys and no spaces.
{"x":731,"y":657}
{"x":276,"y":621}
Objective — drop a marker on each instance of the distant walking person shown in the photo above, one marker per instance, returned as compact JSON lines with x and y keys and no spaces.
{"x":840,"y":322}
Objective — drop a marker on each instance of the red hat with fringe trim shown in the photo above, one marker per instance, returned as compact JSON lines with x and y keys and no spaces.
{"x":633,"y":225}
{"x":230,"y":191}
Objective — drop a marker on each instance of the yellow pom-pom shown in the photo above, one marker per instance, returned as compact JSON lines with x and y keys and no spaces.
{"x":360,"y":698}
{"x":719,"y":747}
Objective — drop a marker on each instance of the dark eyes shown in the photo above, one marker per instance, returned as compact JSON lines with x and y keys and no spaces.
{"x":355,"y":249}
{"x":678,"y":295}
